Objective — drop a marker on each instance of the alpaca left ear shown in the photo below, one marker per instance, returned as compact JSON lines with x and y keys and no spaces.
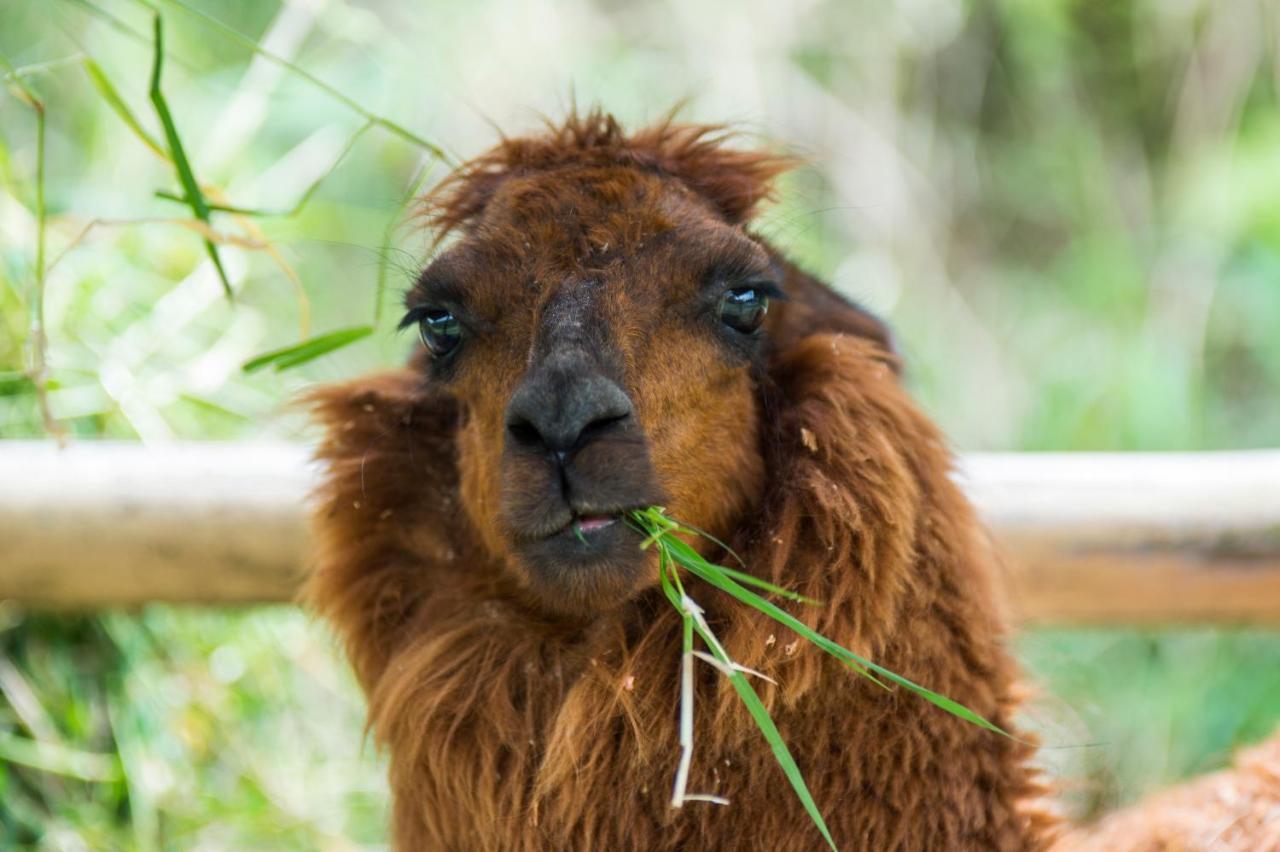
{"x":811,"y":307}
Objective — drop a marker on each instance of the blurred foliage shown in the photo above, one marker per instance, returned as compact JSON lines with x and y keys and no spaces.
{"x":1066,"y":209}
{"x":199,"y":730}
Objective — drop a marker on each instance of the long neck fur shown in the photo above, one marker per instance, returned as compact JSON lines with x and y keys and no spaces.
{"x":508,"y":730}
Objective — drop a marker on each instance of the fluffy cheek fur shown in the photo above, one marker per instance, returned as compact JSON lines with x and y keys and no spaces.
{"x":705,"y":448}
{"x":480,"y":483}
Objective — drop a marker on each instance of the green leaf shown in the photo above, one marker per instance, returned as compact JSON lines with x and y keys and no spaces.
{"x":723,"y":579}
{"x":671,"y":586}
{"x":655,"y":528}
{"x":178,"y":154}
{"x":751,"y":579}
{"x":303,"y":199}
{"x":727,"y":584}
{"x":111,"y":95}
{"x":760,"y":715}
{"x":307,"y":350}
{"x":165,"y":195}
{"x":714,"y":574}
{"x":13,"y":383}
{"x":58,"y":759}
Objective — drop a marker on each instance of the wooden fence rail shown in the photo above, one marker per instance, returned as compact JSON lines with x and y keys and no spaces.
{"x":1089,"y":538}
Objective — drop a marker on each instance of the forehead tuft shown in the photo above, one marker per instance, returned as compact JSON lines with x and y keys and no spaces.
{"x":700,"y":158}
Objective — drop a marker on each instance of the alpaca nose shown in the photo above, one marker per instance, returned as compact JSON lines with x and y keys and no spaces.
{"x":557,"y":412}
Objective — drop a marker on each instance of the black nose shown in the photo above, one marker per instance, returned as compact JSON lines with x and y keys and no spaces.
{"x":558,"y":409}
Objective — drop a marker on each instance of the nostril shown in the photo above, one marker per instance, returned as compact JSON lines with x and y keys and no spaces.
{"x":559,"y":412}
{"x":524,"y":433}
{"x":601,"y":425}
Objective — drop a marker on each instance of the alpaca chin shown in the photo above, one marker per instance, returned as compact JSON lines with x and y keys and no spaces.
{"x":586,"y":572}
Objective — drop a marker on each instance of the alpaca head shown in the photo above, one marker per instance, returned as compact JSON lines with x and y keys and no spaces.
{"x":605,"y":321}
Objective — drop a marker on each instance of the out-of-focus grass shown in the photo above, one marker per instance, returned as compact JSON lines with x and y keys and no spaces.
{"x":220,"y":731}
{"x":1066,"y":209}
{"x":1124,"y":711}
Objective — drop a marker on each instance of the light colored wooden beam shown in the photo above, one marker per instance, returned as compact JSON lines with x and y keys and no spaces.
{"x":1135,"y":538}
{"x":1089,"y":538}
{"x":104,"y":524}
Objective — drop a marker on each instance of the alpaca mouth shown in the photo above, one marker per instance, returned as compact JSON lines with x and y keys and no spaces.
{"x":582,"y":525}
{"x":572,"y":524}
{"x":584,"y":558}
{"x":574,"y":521}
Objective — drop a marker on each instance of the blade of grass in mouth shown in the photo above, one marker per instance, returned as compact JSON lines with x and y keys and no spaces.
{"x":675,"y":553}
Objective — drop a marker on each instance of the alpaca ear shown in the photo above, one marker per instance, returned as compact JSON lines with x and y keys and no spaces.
{"x":811,"y":307}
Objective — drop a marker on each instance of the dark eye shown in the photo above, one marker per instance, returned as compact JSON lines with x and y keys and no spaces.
{"x":743,"y":308}
{"x":441,"y":331}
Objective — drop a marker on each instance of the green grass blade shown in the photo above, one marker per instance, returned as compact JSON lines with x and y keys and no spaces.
{"x":190,"y":186}
{"x":692,"y":530}
{"x":344,"y":99}
{"x":770,"y":731}
{"x":303,"y":199}
{"x":655,"y":524}
{"x":689,"y":558}
{"x":111,"y":95}
{"x":752,"y":580}
{"x":670,"y":580}
{"x":220,"y":208}
{"x":717,"y":578}
{"x":307,"y":350}
{"x":58,"y":759}
{"x":37,"y":339}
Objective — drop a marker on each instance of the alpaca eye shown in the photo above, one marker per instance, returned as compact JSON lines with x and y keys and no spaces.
{"x":441,"y":331}
{"x":743,"y":308}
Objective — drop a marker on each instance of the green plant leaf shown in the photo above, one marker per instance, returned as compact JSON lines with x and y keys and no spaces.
{"x":58,"y":759}
{"x":13,"y":383}
{"x":351,"y":103}
{"x":111,"y":95}
{"x":308,"y":350}
{"x":759,"y":714}
{"x":715,"y":575}
{"x":689,"y":558}
{"x":178,"y":154}
{"x":298,"y":205}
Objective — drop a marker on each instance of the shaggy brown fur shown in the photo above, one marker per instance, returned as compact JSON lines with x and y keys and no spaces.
{"x":514,"y":722}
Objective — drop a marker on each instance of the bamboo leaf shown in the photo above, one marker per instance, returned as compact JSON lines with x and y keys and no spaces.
{"x":760,"y":715}
{"x":58,"y":759}
{"x":178,"y":155}
{"x":13,"y":383}
{"x":727,"y":584}
{"x":351,"y":103}
{"x":111,"y":95}
{"x":654,"y":522}
{"x":221,"y":208}
{"x":308,"y":350}
{"x":751,"y":579}
{"x":672,"y":588}
{"x":303,"y":199}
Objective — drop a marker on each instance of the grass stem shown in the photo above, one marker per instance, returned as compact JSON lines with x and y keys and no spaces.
{"x":37,"y":336}
{"x":674,"y":553}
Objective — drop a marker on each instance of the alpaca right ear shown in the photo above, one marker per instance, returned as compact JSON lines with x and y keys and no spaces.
{"x":811,"y":307}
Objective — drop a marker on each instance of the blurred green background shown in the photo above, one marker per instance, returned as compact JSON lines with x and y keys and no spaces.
{"x":1068,"y":209}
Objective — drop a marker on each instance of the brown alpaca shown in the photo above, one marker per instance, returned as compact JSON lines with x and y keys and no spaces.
{"x":592,"y":349}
